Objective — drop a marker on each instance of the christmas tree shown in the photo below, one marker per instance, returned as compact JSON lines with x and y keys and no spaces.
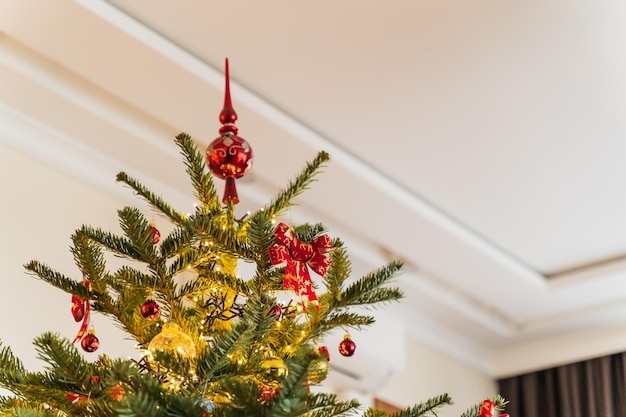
{"x":213,"y":343}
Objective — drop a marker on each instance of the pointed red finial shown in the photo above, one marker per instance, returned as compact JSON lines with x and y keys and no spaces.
{"x":228,"y":116}
{"x":229,"y":156}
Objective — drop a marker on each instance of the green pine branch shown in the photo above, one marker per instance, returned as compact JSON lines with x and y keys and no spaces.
{"x":209,"y":281}
{"x":16,"y":406}
{"x":295,"y":187}
{"x":327,"y":405}
{"x":260,"y":232}
{"x":26,"y":409}
{"x":12,"y":372}
{"x":308,"y":232}
{"x":427,"y":407}
{"x":223,"y":237}
{"x":354,"y":320}
{"x":176,"y":241}
{"x":291,"y":400}
{"x":56,"y":279}
{"x":87,"y":256}
{"x":374,"y":412}
{"x":201,"y":180}
{"x":499,"y":403}
{"x":114,"y":243}
{"x":135,"y":227}
{"x":64,"y":360}
{"x":186,"y":259}
{"x":155,"y":201}
{"x":127,"y":276}
{"x":339,"y":271}
{"x":367,"y":290}
{"x":213,"y":363}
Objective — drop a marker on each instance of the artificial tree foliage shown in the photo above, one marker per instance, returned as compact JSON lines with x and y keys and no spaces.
{"x":226,"y":316}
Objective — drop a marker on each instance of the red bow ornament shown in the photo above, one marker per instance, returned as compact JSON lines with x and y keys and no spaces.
{"x":298,"y":256}
{"x":80,"y":311}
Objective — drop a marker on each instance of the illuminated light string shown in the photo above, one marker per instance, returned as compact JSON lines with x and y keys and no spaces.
{"x":220,"y":301}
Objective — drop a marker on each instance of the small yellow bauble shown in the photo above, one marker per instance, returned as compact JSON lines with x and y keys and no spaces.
{"x":273,"y":370}
{"x":318,"y":370}
{"x":172,"y":340}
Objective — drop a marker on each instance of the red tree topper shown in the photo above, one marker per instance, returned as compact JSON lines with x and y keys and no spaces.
{"x":229,"y":156}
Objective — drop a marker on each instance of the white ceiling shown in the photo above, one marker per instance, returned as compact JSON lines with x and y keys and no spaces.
{"x":482,"y":142}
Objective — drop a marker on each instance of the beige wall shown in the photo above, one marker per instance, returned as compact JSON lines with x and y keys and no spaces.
{"x":55,"y":206}
{"x":429,"y":373}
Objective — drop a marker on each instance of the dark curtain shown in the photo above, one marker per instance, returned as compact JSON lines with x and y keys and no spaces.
{"x":592,"y":388}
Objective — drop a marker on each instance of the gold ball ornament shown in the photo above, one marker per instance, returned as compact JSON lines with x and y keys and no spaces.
{"x":172,"y":340}
{"x":318,"y":370}
{"x":273,"y":370}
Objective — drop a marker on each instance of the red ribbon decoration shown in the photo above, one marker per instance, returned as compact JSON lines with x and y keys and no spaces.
{"x":80,"y":311}
{"x":298,"y":256}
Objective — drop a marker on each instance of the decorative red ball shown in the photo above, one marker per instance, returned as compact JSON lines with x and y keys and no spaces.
{"x":276,"y":312}
{"x":150,"y":309}
{"x":156,"y":235}
{"x":90,"y":342}
{"x":117,"y":392}
{"x":268,"y":393}
{"x":229,"y":156}
{"x":347,"y":347}
{"x":323,"y":350}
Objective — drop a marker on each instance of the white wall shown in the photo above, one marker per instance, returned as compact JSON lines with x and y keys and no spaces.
{"x":56,"y":206}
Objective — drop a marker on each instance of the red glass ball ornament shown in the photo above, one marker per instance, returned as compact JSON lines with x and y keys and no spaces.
{"x":90,"y":342}
{"x":156,"y":235}
{"x":150,"y":309}
{"x":276,"y":312}
{"x":323,"y":350}
{"x":268,"y":392}
{"x":229,"y":157}
{"x":117,"y":392}
{"x":347,"y":347}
